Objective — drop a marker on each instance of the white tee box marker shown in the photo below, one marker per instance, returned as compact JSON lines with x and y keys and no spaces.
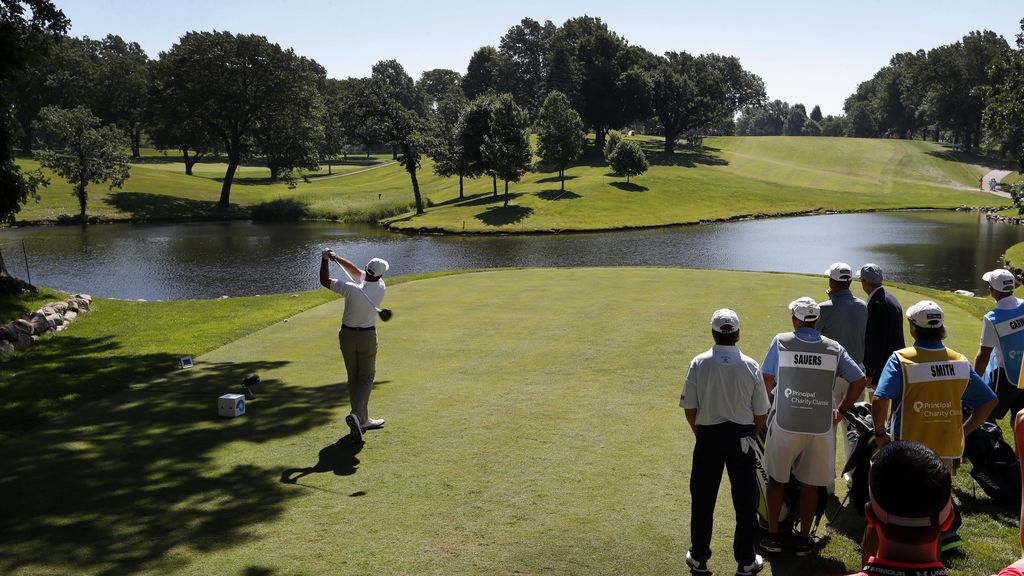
{"x":231,"y":405}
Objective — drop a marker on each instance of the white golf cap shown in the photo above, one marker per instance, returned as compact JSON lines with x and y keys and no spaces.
{"x":805,"y":309}
{"x":725,"y":321}
{"x":1000,"y":280}
{"x":926,"y":314}
{"x":377,"y":267}
{"x":840,"y":271}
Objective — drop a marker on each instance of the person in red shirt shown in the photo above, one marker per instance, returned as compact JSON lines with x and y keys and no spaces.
{"x":910,"y":505}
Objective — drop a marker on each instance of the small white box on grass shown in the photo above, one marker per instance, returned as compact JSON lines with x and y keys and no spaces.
{"x":231,"y":405}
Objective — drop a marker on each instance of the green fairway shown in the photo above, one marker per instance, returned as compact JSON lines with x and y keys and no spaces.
{"x":731,"y":177}
{"x":532,"y":428}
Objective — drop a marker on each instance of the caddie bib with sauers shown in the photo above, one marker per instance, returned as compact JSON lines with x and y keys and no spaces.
{"x":1009,"y":325}
{"x":803,"y":394}
{"x":934,"y":381}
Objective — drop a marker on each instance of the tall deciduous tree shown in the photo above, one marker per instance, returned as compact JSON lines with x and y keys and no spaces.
{"x":232,"y":84}
{"x":82,"y":151}
{"x":291,"y":135}
{"x":559,"y":133}
{"x":816,"y":114}
{"x":628,"y":159}
{"x":122,"y":86}
{"x":473,"y":129}
{"x":395,"y":101}
{"x":483,"y":75}
{"x":28,"y":29}
{"x":1004,"y":115}
{"x":507,"y":147}
{"x":525,"y":51}
{"x":446,"y":147}
{"x":607,"y":95}
{"x":435,"y":85}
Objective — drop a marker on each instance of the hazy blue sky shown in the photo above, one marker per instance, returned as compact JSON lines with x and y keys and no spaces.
{"x":813,"y":52}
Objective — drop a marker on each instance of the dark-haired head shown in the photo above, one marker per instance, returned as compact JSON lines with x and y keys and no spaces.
{"x":910,"y":493}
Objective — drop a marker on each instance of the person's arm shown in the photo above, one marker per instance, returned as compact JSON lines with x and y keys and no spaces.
{"x":759,"y":420}
{"x":988,"y":342}
{"x":981,"y":360}
{"x":691,"y":418}
{"x":353,"y":271}
{"x":325,"y":271}
{"x":769,"y":386}
{"x":981,"y":399}
{"x":852,"y":394}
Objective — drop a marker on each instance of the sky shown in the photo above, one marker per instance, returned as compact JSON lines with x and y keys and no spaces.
{"x":812,"y":52}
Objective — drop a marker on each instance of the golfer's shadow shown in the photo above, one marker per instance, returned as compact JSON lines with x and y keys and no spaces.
{"x":339,"y":458}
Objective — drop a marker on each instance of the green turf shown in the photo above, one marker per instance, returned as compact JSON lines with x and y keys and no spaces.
{"x":1014,"y":255}
{"x":737,"y":176}
{"x":731,"y":177}
{"x":532,"y":428}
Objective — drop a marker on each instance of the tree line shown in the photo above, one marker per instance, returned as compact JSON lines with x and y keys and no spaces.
{"x":970,"y":92}
{"x":243,"y":97}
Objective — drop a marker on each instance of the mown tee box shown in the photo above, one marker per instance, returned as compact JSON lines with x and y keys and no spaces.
{"x":231,"y":405}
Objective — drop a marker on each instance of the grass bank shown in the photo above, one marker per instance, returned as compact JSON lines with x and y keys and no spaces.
{"x":731,"y":177}
{"x":532,"y":428}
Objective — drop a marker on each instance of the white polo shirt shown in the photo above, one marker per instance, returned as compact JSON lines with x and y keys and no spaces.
{"x":989,"y":338}
{"x":724,"y":385}
{"x":359,"y":311}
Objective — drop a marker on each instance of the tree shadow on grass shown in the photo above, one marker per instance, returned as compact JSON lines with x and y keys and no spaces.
{"x":114,"y":489}
{"x":489,"y":198}
{"x":963,"y":157}
{"x":551,"y":179}
{"x":557,"y":195}
{"x":479,"y":197}
{"x":504,"y":215}
{"x":146,"y":206}
{"x":630,"y":187}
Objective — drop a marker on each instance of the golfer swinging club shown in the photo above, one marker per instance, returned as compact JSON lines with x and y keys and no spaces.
{"x":363,"y":293}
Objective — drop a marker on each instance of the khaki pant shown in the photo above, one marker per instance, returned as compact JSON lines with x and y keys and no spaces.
{"x":359,"y":349}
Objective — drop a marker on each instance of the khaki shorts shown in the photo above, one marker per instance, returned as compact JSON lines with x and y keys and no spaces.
{"x":811,"y":457}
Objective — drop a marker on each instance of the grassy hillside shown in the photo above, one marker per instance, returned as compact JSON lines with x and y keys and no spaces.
{"x":731,"y":177}
{"x":524,"y":435}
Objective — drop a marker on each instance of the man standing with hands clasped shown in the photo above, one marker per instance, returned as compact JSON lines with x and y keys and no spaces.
{"x":726,"y":406}
{"x":363,"y":293}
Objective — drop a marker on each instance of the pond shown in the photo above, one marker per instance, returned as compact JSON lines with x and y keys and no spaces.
{"x":939,"y":249}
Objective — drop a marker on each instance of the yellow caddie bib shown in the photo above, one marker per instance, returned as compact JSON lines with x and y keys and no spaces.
{"x":934,"y":381}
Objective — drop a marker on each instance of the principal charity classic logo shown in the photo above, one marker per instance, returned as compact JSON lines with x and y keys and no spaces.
{"x":935,"y":409}
{"x":798,"y":397}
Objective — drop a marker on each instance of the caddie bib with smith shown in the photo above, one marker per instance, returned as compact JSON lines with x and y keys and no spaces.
{"x":934,"y":381}
{"x":1009,"y":325}
{"x":807,"y":373}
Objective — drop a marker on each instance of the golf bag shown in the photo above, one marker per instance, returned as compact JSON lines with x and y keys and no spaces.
{"x":861,"y":433}
{"x":994,"y":465}
{"x":789,"y":516}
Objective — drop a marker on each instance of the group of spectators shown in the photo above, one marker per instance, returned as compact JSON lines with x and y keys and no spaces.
{"x":925,"y":399}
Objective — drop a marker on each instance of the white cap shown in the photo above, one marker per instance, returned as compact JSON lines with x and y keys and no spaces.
{"x":840,"y":271}
{"x":725,"y":321}
{"x":926,"y":314}
{"x":377,"y":267}
{"x":805,"y":309}
{"x":1000,"y":280}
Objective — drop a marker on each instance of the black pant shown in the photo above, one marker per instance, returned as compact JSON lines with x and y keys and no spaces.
{"x":718,"y":446}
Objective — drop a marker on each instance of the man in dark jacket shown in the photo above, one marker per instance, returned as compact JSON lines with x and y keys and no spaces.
{"x":884,"y":332}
